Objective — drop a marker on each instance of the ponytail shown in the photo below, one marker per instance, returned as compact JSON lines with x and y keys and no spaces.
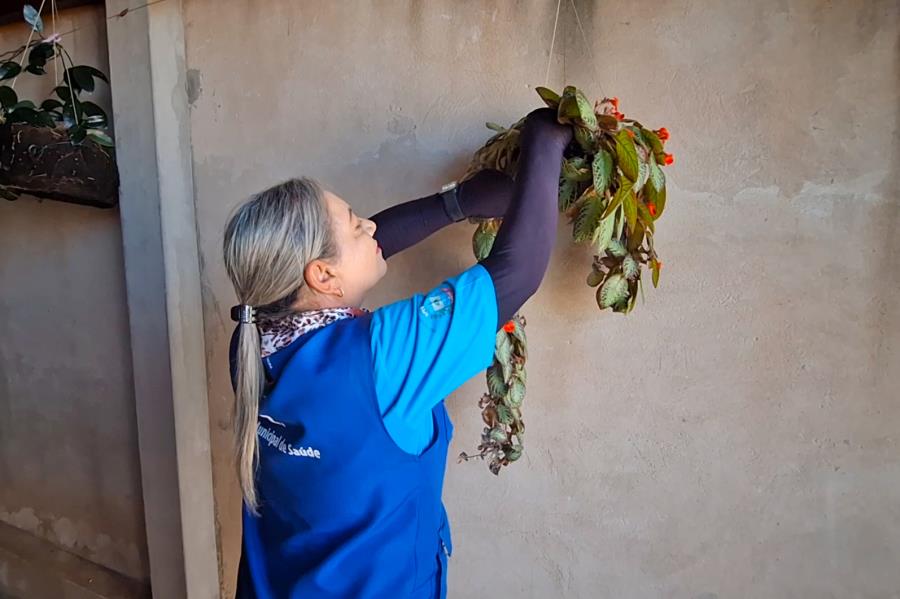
{"x":246,"y":410}
{"x":268,"y":243}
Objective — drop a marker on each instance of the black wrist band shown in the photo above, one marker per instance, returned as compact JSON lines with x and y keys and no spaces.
{"x":450,"y":195}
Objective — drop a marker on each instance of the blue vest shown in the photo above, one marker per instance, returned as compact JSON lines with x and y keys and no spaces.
{"x":344,"y":512}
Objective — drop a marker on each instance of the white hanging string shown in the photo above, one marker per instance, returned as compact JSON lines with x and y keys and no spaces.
{"x":590,"y":48}
{"x":28,"y":43}
{"x":552,"y":41}
{"x":53,"y":13}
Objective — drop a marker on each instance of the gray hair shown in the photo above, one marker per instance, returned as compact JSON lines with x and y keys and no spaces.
{"x":269,"y":240}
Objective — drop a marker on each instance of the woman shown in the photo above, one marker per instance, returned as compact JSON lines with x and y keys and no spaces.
{"x":341,"y":428}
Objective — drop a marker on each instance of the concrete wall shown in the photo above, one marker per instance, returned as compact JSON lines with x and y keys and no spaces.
{"x":737,"y":435}
{"x":69,"y":470}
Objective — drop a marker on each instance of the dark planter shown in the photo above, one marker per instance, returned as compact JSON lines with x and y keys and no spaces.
{"x":42,"y":162}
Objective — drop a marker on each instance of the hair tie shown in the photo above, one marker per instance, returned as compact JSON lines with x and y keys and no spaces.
{"x":243,"y":313}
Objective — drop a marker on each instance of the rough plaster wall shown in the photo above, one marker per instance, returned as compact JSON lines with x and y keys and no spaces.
{"x":69,"y":469}
{"x":737,"y":435}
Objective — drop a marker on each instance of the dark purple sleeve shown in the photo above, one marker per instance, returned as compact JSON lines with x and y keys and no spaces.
{"x":486,"y":195}
{"x":406,"y":224}
{"x":521,"y":253}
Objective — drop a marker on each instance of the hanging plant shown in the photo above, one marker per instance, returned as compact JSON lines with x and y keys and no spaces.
{"x":613,"y":190}
{"x":60,"y":149}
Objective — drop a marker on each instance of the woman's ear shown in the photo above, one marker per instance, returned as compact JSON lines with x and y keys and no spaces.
{"x":321,"y":278}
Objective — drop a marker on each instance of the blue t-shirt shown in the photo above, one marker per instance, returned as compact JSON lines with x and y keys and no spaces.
{"x":426,"y":346}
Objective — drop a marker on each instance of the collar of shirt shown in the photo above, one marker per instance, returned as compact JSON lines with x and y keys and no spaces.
{"x":276,"y":334}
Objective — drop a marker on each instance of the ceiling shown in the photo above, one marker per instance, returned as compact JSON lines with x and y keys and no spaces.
{"x":11,"y":10}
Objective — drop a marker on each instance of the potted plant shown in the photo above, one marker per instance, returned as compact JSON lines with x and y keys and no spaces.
{"x":613,"y":189}
{"x":60,"y":149}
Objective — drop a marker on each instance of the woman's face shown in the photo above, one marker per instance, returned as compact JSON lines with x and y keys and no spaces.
{"x":359,"y":264}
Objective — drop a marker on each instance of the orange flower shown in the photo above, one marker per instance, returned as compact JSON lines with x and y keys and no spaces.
{"x":615,"y":103}
{"x":669,"y":159}
{"x":659,"y":264}
{"x":662,"y":134}
{"x":652,"y":208}
{"x":618,"y":115}
{"x":509,"y":327}
{"x":630,"y":133}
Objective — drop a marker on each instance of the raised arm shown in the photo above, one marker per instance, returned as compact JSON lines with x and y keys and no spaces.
{"x":521,"y":252}
{"x":486,"y":195}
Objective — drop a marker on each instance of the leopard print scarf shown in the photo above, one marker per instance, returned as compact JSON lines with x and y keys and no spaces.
{"x":280,"y":332}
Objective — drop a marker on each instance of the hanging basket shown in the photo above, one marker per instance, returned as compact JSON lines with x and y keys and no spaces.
{"x":43,"y":162}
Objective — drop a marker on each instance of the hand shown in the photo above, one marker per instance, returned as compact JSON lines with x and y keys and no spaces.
{"x":542,"y":126}
{"x":487,"y":194}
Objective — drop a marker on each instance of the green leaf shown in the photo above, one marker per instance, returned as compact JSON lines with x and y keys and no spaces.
{"x":40,"y":54}
{"x":550,"y":97}
{"x":495,"y":127}
{"x":643,"y":175}
{"x":602,"y":171}
{"x":608,"y":122}
{"x":520,"y":372}
{"x":575,"y":108}
{"x":497,"y":434}
{"x":519,"y":333}
{"x":503,"y":353}
{"x":632,"y":300}
{"x":8,"y":97}
{"x":576,"y":169}
{"x":595,"y":278}
{"x":588,"y":219}
{"x":644,"y":217}
{"x":654,"y":266}
{"x":613,"y":291}
{"x":639,"y":137}
{"x":637,"y":238}
{"x":95,"y":115}
{"x":567,"y":189}
{"x":35,"y":69}
{"x":657,"y":177}
{"x":586,"y":110}
{"x":604,"y":233}
{"x":97,"y":73}
{"x":514,"y":453}
{"x":77,"y":134}
{"x":91,"y":109}
{"x":621,"y":193}
{"x":482,"y":242}
{"x":629,"y":204}
{"x":653,"y":140}
{"x":626,"y":155}
{"x":568,"y":106}
{"x":82,"y":77}
{"x":23,"y":114}
{"x":63,"y":92}
{"x":495,"y":382}
{"x":8,"y":195}
{"x":51,"y":104}
{"x":101,"y":138}
{"x":585,"y":139}
{"x":516,"y":393}
{"x":657,"y":198}
{"x":504,"y":414}
{"x":630,"y":267}
{"x":616,"y":248}
{"x":620,"y":223}
{"x":24,"y":104}
{"x":8,"y":70}
{"x":33,"y":18}
{"x":45,"y":119}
